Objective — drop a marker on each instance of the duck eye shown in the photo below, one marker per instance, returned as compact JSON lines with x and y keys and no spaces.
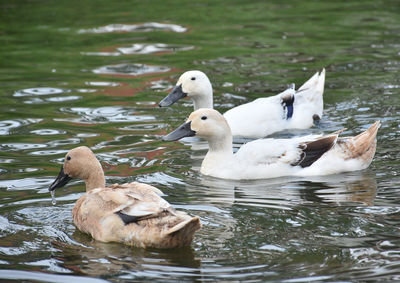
{"x":193,"y":78}
{"x":204,"y":118}
{"x":68,"y":158}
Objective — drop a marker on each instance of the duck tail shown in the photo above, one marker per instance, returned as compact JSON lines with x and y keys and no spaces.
{"x":364,"y":144}
{"x":183,"y":232}
{"x":314,"y":88}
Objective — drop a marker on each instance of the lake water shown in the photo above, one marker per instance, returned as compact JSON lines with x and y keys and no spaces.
{"x":92,"y":72}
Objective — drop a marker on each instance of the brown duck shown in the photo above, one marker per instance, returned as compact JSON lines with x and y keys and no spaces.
{"x":131,"y":213}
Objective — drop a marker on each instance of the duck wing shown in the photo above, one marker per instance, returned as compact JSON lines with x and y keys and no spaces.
{"x":302,"y":151}
{"x":134,"y":202}
{"x":311,"y":151}
{"x":271,"y":151}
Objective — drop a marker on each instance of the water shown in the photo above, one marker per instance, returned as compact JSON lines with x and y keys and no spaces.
{"x":92,"y":72}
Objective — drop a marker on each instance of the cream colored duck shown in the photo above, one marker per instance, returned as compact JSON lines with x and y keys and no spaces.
{"x":131,"y":213}
{"x":268,"y":158}
{"x":288,"y":110}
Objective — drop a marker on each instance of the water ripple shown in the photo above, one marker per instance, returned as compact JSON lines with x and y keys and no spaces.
{"x":161,"y":85}
{"x":48,"y":152}
{"x":52,"y":99}
{"x":47,"y":132}
{"x":101,"y":53}
{"x":145,"y":27}
{"x":6,"y":126}
{"x":102,"y":84}
{"x":142,"y":48}
{"x":27,"y":184}
{"x":63,"y":98}
{"x":38,"y":91}
{"x":20,"y":146}
{"x":45,"y":277}
{"x":7,"y":227}
{"x":130,"y":69}
{"x":104,"y":115}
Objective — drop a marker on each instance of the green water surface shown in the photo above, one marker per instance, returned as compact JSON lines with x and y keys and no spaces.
{"x":69,"y":76}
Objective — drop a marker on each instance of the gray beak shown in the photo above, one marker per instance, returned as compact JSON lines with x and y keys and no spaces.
{"x":175,"y":94}
{"x":182,"y":131}
{"x":61,"y":180}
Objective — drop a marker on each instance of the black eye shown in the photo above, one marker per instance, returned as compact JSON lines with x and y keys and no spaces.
{"x":68,"y":157}
{"x":193,"y":78}
{"x":204,"y":118}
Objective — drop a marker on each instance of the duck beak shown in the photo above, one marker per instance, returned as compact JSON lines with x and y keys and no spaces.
{"x":61,"y":180}
{"x":175,"y":94}
{"x":182,"y":131}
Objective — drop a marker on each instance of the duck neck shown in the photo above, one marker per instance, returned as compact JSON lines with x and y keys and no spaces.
{"x":95,"y":180}
{"x":203,"y":101}
{"x":220,"y":151}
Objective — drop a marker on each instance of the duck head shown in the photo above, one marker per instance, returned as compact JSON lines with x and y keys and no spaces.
{"x":193,"y":84}
{"x":80,"y":163}
{"x":205,"y":123}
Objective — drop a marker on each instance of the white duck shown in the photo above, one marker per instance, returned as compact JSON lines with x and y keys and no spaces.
{"x":268,"y":158}
{"x":131,"y":213}
{"x":288,"y":110}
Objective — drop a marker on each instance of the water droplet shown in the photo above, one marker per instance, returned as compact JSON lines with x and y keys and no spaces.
{"x":53,"y":197}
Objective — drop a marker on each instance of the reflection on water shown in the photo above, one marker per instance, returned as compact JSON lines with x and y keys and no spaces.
{"x":283,"y":193}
